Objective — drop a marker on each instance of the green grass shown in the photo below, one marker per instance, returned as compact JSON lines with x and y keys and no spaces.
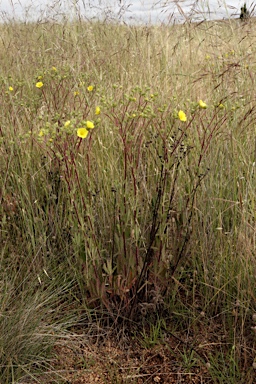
{"x":148,"y":216}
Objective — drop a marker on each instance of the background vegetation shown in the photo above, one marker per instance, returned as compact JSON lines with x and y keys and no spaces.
{"x":146,"y":225}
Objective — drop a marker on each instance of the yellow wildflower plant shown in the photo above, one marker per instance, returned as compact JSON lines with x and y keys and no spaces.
{"x":39,"y":84}
{"x":202,"y":104}
{"x":10,"y":89}
{"x":82,"y":133}
{"x":97,"y":111}
{"x":182,"y":116}
{"x":89,"y":124}
{"x":76,"y":93}
{"x":54,"y":69}
{"x":90,"y":88}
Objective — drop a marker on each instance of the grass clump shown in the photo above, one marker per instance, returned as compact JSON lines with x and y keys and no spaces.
{"x":127,"y":167}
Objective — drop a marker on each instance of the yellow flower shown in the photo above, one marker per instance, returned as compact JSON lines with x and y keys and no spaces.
{"x":67,"y":124}
{"x":182,"y":116}
{"x":39,"y":84}
{"x":82,"y":132}
{"x":97,"y":110}
{"x":76,"y":93}
{"x":39,"y":77}
{"x":90,"y":88}
{"x":89,"y":124}
{"x":10,"y":89}
{"x":221,"y":106}
{"x":202,"y":104}
{"x":41,"y":133}
{"x":54,"y":69}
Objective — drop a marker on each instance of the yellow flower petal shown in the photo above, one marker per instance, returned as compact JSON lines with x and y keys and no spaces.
{"x":82,"y":132}
{"x":11,"y":89}
{"x":90,"y":88}
{"x":182,"y":116}
{"x":39,"y":84}
{"x":97,"y":111}
{"x":89,"y":124}
{"x":202,"y":104}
